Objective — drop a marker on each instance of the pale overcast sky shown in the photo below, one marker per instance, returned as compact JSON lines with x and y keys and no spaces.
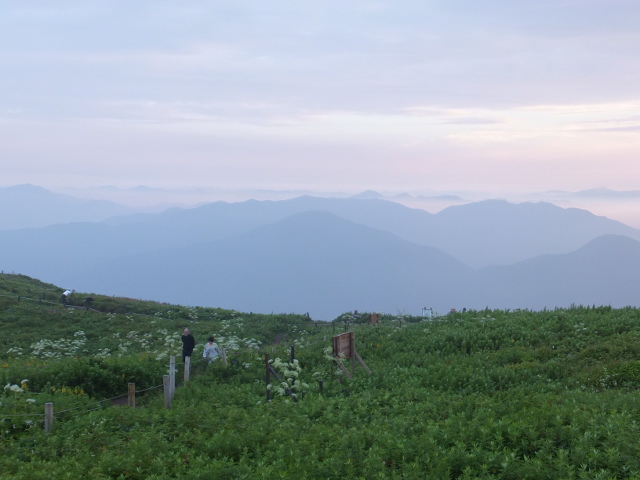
{"x":495,"y":95}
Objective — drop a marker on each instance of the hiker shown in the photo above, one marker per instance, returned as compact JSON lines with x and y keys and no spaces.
{"x":211,"y":350}
{"x":65,"y":295}
{"x":188,"y":343}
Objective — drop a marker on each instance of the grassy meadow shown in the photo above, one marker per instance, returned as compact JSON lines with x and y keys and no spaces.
{"x":487,"y":394}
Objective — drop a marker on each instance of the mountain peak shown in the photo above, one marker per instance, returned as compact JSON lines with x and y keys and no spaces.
{"x":368,"y":194}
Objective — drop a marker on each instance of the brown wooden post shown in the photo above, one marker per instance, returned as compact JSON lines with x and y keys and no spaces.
{"x":293,"y":353}
{"x":166,"y":382}
{"x":48,"y":417}
{"x":132,"y":395}
{"x":172,"y":375}
{"x":268,"y":376}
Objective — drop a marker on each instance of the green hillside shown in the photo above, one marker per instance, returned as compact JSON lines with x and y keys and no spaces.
{"x":479,"y":394}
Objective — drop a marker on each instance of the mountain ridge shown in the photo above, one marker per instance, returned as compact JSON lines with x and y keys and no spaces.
{"x":30,"y":206}
{"x":320,"y":255}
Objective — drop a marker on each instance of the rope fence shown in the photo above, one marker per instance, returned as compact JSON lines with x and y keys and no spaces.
{"x":169,"y":385}
{"x":57,"y":303}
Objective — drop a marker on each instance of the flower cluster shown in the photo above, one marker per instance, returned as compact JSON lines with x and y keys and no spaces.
{"x":192,"y":314}
{"x":68,"y":391}
{"x":327,"y":370}
{"x":59,"y":348}
{"x":23,"y":387}
{"x":299,"y":334}
{"x":291,"y":373}
{"x":17,"y":351}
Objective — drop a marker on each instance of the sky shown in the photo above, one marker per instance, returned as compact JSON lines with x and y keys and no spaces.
{"x":451,"y":95}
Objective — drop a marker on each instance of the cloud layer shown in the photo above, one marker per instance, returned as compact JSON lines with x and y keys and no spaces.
{"x":364,"y":94}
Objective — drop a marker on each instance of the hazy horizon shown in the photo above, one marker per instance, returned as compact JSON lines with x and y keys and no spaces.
{"x":616,"y":205}
{"x":505,"y":99}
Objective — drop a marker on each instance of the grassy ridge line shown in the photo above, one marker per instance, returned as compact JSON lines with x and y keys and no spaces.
{"x":100,"y":350}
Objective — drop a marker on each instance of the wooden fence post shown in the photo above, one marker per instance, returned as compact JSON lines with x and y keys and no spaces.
{"x":187,"y":369}
{"x":172,"y":375}
{"x":48,"y":417}
{"x":223,"y":354}
{"x":132,"y":395}
{"x":166,"y":381}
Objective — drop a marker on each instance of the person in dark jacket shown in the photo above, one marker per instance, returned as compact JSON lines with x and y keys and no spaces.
{"x":188,"y":343}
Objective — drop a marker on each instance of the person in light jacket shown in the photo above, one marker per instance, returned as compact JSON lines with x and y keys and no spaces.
{"x":211,"y":350}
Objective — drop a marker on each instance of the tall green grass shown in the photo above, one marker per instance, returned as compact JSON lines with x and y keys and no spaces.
{"x":481,"y":394}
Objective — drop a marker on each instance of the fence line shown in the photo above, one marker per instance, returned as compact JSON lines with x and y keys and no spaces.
{"x":169,"y":392}
{"x":67,"y":305}
{"x":169,"y":381}
{"x":49,"y":417}
{"x":169,"y":385}
{"x":19,"y":415}
{"x":169,"y":388}
{"x":150,"y":388}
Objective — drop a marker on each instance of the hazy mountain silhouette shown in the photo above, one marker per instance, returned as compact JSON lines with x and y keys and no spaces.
{"x":479,"y":234}
{"x":29,"y":206}
{"x":319,"y":263}
{"x":498,"y":232}
{"x":606,"y":271}
{"x":309,"y":262}
{"x":606,"y":194}
{"x":326,"y":256}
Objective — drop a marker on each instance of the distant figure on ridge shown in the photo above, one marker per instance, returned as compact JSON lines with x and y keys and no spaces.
{"x":188,"y":343}
{"x":65,"y":295}
{"x":87,"y":301}
{"x":211,"y":350}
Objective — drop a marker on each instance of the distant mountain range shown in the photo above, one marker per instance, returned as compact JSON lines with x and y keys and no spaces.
{"x":607,"y":194}
{"x":29,"y":206}
{"x":326,"y":256}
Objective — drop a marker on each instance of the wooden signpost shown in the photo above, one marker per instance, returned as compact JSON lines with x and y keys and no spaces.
{"x":344,"y":347}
